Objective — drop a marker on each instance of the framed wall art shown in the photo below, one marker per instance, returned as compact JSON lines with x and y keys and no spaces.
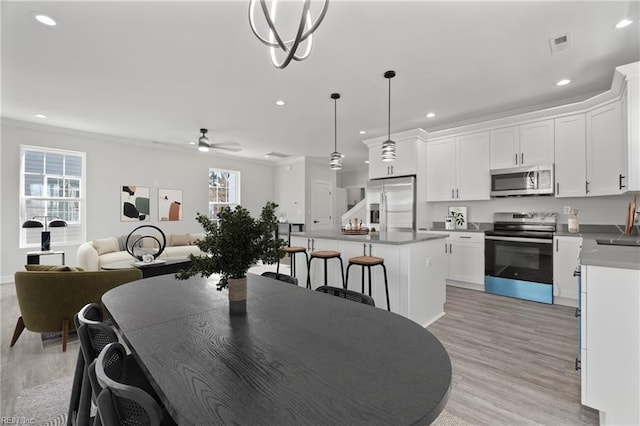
{"x":169,"y":204}
{"x":134,"y":203}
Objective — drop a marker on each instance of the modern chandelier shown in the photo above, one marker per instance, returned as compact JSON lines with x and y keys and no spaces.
{"x":389,"y":146}
{"x":304,"y":33}
{"x":335,"y":158}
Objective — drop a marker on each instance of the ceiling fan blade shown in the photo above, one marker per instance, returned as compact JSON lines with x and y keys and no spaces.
{"x":233,"y":147}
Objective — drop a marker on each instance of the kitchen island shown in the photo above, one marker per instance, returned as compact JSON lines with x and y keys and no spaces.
{"x":610,"y":328}
{"x":415,"y":262}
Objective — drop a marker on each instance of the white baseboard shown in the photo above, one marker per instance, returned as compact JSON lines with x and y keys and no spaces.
{"x":565,"y":301}
{"x":6,"y":279}
{"x":471,"y":286}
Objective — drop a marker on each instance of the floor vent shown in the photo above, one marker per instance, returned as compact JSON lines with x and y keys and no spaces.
{"x":559,"y":43}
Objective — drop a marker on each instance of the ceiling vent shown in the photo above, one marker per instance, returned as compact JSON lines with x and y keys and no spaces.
{"x":560,"y":42}
{"x":274,"y":154}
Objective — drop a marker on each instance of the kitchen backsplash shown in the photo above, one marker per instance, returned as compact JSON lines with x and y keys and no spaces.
{"x":609,"y":210}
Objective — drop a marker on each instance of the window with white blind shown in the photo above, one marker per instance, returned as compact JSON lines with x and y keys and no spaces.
{"x":224,"y":190}
{"x":52,"y":185}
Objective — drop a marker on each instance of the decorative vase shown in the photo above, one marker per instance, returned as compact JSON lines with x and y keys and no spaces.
{"x":238,"y":296}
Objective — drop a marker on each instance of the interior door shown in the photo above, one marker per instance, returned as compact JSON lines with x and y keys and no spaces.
{"x":321,"y":205}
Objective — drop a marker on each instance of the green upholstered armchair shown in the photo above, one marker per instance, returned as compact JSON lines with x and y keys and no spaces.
{"x":48,"y":300}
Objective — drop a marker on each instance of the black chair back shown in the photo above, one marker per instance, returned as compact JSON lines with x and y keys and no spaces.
{"x":281,"y":277}
{"x":347,"y":294}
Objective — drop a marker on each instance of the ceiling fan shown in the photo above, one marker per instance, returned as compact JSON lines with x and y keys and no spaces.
{"x":204,"y":144}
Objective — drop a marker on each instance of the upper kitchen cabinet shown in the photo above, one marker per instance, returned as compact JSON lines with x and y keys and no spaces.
{"x":606,"y":150}
{"x":458,"y":168}
{"x":524,"y":145}
{"x":570,"y":156}
{"x":407,"y":155}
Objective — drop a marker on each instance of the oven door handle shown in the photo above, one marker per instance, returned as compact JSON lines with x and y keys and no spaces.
{"x":520,"y":239}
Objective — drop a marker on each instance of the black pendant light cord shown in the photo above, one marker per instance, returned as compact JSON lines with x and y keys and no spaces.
{"x":389,"y":75}
{"x":335,"y":97}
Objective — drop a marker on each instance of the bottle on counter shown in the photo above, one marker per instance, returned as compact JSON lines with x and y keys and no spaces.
{"x":573,"y":225}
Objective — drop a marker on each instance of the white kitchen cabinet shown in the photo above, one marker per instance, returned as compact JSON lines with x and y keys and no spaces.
{"x":465,"y":257}
{"x":606,"y":151}
{"x":570,"y":156}
{"x":610,"y":325}
{"x":406,"y":162}
{"x":524,"y":145}
{"x":505,"y":147}
{"x":458,"y":168}
{"x":565,"y":262}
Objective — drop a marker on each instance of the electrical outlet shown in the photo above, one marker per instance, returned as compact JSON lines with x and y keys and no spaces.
{"x":567,"y":209}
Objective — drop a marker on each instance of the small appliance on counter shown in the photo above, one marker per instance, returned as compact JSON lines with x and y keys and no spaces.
{"x":449,"y":222}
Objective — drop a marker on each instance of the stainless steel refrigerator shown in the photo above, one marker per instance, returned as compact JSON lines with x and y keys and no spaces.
{"x":391,"y":204}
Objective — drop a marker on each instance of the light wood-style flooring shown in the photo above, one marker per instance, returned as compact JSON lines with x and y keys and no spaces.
{"x":513,"y":360}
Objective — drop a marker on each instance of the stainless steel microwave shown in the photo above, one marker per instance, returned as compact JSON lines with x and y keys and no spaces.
{"x":531,"y":180}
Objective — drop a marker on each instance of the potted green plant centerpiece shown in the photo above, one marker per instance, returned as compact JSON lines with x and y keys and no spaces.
{"x":233,"y":244}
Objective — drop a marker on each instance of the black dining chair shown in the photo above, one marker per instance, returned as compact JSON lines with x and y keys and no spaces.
{"x":94,"y":336}
{"x":347,"y":294}
{"x":281,"y":277}
{"x":118,"y":403}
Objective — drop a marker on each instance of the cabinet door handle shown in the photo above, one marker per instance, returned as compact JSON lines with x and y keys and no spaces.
{"x":452,"y":194}
{"x":391,"y":169}
{"x":450,"y":248}
{"x":586,"y":187}
{"x":620,"y":177}
{"x":516,"y":158}
{"x":364,"y":249}
{"x":457,"y":196}
{"x":445,"y":248}
{"x":465,"y":236}
{"x":370,"y":247}
{"x":557,"y":245}
{"x":313,"y":244}
{"x":557,"y":188}
{"x":521,"y":158}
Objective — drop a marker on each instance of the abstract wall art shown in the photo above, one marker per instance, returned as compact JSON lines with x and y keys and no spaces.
{"x":169,"y":204}
{"x":134,"y":203}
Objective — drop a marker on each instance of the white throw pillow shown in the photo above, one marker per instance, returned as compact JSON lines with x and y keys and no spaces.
{"x":179,"y":240}
{"x":193,"y":238}
{"x":105,"y":245}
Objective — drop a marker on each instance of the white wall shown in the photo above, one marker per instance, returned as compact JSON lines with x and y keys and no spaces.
{"x":289,"y":189}
{"x":610,"y":210}
{"x":353,"y":178}
{"x":111,"y":163}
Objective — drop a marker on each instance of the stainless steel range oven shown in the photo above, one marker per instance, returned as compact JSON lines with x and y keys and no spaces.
{"x":519,"y":256}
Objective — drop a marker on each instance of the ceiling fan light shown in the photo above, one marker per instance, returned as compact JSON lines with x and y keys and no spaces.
{"x":203,"y":141}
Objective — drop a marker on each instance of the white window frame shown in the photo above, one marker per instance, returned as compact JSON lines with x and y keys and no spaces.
{"x":63,"y":239}
{"x":238,"y":191}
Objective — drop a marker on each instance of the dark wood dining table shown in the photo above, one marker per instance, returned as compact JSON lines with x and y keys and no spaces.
{"x":296,"y":357}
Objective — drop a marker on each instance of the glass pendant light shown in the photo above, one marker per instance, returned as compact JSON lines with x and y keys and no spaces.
{"x":335,"y":158}
{"x":389,"y":146}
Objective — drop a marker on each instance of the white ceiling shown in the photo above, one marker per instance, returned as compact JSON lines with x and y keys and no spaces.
{"x":159,"y":71}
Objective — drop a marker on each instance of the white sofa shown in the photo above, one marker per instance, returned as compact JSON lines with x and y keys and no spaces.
{"x":93,"y":254}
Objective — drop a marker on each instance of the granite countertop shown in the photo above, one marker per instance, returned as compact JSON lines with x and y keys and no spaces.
{"x":623,"y":257}
{"x":396,"y":238}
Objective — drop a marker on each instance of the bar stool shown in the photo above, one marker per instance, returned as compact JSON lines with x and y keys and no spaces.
{"x":369,"y":261}
{"x":292,"y":250}
{"x":325,"y":255}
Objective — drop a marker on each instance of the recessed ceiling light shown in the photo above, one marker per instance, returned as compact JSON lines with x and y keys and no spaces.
{"x":431,"y":115}
{"x":40,"y":115}
{"x":624,"y":23}
{"x":192,"y":143}
{"x":563,"y":82}
{"x":362,"y":132}
{"x":266,"y":156}
{"x":280,"y":103}
{"x":45,"y":20}
{"x":366,"y":161}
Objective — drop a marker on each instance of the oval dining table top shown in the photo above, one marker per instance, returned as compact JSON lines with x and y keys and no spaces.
{"x":296,"y":357}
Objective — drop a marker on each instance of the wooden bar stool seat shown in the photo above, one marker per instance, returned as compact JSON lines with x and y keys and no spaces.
{"x":291,"y":251}
{"x":368,"y":262}
{"x":325,"y":255}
